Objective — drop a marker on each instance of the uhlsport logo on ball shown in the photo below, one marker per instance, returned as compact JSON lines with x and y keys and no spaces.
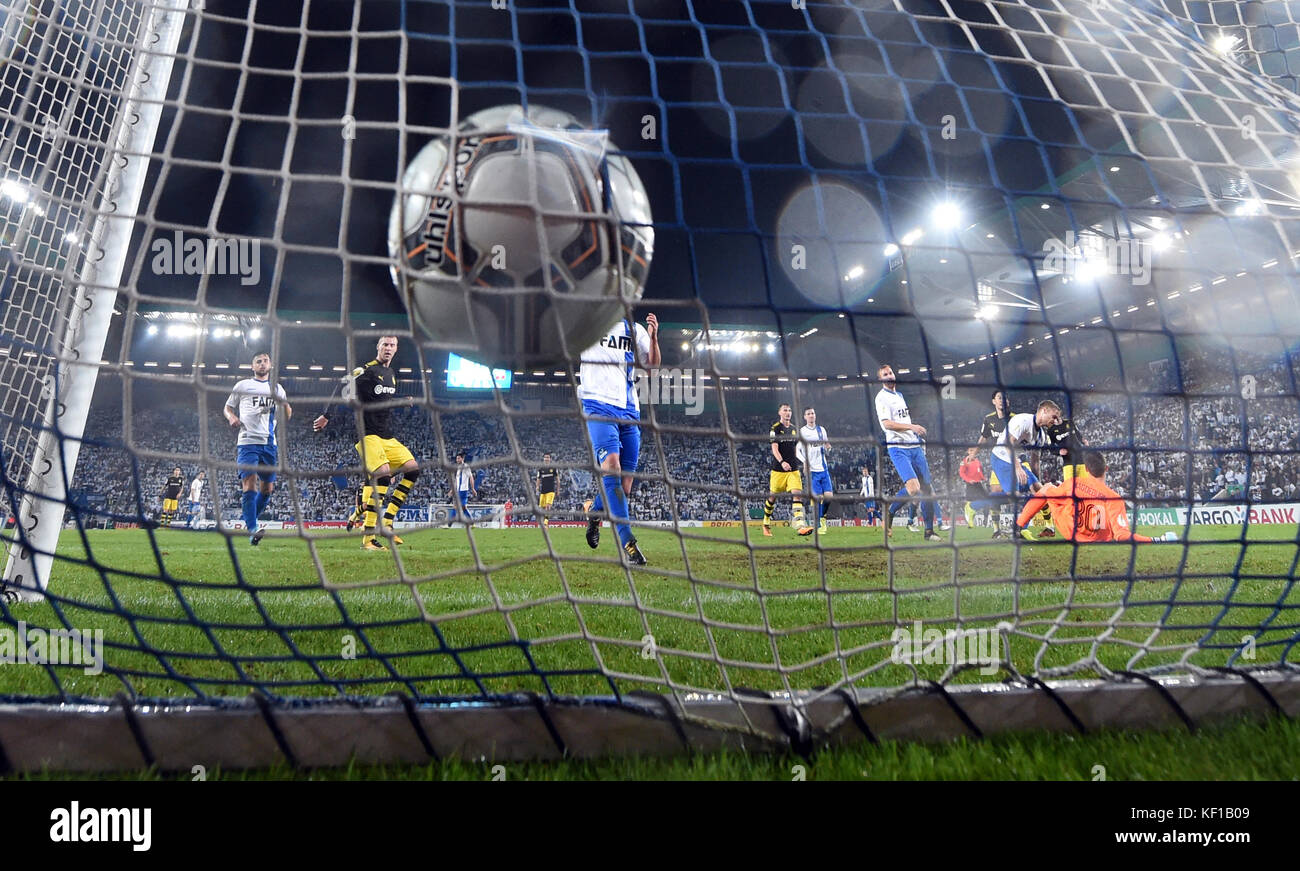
{"x":519,"y":240}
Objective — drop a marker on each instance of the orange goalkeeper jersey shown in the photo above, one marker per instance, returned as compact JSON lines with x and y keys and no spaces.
{"x":1083,"y":509}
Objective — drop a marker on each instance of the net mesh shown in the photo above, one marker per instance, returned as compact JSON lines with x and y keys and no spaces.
{"x":1092,"y":203}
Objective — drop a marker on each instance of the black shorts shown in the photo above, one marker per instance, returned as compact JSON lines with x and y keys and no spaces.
{"x":976,"y":490}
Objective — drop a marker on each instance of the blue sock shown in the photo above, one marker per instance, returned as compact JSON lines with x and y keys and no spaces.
{"x":618,"y":507}
{"x":821,"y":512}
{"x":898,"y":503}
{"x":262,"y":499}
{"x":250,"y":510}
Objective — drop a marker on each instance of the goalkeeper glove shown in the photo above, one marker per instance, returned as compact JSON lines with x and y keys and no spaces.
{"x":1168,"y":536}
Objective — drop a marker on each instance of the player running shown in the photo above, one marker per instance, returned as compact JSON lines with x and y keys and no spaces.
{"x":784,"y":476}
{"x":546,"y":480}
{"x":906,"y":449}
{"x":811,"y":452}
{"x":374,"y":387}
{"x":171,"y":493}
{"x":251,"y":409}
{"x":1084,"y":508}
{"x":607,"y":389}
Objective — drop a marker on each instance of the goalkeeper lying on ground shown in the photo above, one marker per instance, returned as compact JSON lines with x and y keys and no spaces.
{"x":1084,"y":509}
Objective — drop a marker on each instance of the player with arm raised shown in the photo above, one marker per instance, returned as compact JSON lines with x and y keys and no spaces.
{"x":784,"y":476}
{"x":374,"y":387}
{"x":1084,"y":508}
{"x":607,"y":388}
{"x":906,"y":448}
{"x":811,"y":452}
{"x":251,"y":408}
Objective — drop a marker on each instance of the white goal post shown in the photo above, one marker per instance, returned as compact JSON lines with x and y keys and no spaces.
{"x":62,"y":371}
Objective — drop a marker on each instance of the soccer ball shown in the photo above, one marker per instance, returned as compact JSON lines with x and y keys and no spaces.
{"x":519,"y":240}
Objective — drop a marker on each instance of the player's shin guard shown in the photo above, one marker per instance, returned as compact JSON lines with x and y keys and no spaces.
{"x":617,"y":502}
{"x":249,"y":508}
{"x":397,"y":495}
{"x":796,"y":513}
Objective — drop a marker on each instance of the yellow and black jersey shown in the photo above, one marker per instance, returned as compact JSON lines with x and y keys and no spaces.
{"x":786,"y":438}
{"x":1065,"y":436}
{"x":994,"y":425}
{"x":546,"y":480}
{"x":172,"y":489}
{"x":369,"y":385}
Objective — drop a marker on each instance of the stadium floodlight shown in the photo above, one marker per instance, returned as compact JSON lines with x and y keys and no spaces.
{"x":1252,"y":206}
{"x":946,"y":215}
{"x":686,"y":346}
{"x":910,"y":237}
{"x":255,"y":334}
{"x":1160,"y":241}
{"x":1225,"y":43}
{"x":153,"y":330}
{"x":891,"y":249}
{"x":988,"y":311}
{"x":13,"y":190}
{"x":1087,"y":270}
{"x":855,"y":272}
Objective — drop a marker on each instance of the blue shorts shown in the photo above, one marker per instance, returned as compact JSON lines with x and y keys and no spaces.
{"x":910,"y":463}
{"x":463,"y":497}
{"x":821,"y":483}
{"x":624,"y":439}
{"x":1007,"y":477}
{"x":257,"y":455}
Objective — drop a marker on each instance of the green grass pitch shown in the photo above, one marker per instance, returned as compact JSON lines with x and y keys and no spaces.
{"x":450,"y":615}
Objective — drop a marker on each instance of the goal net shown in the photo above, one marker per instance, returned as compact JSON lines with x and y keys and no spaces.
{"x":1088,"y":202}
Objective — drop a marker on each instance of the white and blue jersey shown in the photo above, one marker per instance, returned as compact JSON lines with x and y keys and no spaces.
{"x":811,"y":450}
{"x":253,"y":403}
{"x":906,"y":450}
{"x":607,"y":388}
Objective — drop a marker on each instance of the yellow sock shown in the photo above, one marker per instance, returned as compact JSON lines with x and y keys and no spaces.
{"x":397,"y":494}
